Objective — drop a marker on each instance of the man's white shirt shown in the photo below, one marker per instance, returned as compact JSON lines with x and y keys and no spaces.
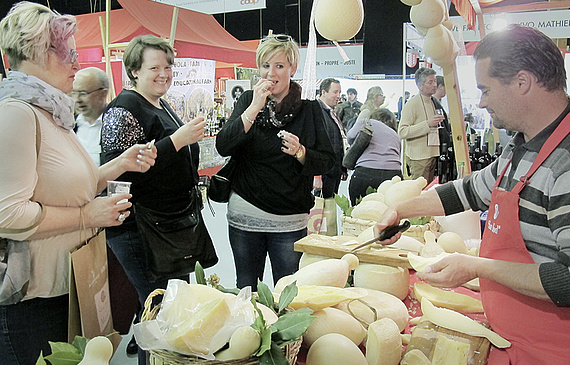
{"x":90,"y":136}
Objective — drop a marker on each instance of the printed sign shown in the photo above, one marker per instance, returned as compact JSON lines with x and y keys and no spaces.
{"x":216,"y":6}
{"x":553,"y":23}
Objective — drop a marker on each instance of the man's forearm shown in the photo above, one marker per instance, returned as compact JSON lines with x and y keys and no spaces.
{"x":426,"y":204}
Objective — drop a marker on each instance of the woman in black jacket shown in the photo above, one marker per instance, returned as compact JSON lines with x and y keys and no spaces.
{"x":280,"y":144}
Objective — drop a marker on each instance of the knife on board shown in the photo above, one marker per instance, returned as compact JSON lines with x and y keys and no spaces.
{"x":385,"y":234}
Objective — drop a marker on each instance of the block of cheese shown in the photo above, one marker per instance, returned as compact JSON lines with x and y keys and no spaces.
{"x":450,"y":352}
{"x":195,"y":332}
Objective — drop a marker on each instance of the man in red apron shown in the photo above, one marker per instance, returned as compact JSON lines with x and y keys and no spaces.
{"x":523,"y":263}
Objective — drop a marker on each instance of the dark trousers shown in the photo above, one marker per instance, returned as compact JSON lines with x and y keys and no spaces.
{"x":364,"y":177}
{"x":26,"y":328}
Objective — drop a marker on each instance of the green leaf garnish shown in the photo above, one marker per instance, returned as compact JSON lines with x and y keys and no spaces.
{"x":266,"y":343}
{"x":265,"y":294}
{"x":419,"y":220}
{"x":292,"y":325}
{"x":287,"y":295}
{"x":274,"y":356}
{"x":199,"y":273}
{"x":344,"y":204}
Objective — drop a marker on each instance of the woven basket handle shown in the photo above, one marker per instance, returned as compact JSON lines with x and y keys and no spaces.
{"x":146,"y":315}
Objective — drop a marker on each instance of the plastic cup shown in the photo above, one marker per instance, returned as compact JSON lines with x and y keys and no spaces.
{"x":118,"y":187}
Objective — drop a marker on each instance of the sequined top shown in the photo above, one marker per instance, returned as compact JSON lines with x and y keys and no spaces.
{"x":131,"y":119}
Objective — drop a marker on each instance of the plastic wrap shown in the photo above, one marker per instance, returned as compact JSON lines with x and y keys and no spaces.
{"x":195,"y":319}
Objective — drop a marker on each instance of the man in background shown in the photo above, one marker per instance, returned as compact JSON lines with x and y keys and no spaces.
{"x":419,"y":127}
{"x":329,"y":182}
{"x":440,"y":91}
{"x":90,"y":89}
{"x":445,"y":135}
{"x":401,"y":102}
{"x":350,"y":108}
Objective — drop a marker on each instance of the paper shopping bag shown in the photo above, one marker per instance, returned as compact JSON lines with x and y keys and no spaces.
{"x":316,"y":216}
{"x":89,"y":284}
{"x":329,"y":222}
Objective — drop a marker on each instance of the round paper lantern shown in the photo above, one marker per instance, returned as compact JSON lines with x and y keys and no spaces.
{"x":439,"y":45}
{"x":423,"y":31}
{"x":448,"y":24}
{"x":428,"y":13}
{"x":339,"y":20}
{"x":411,"y":2}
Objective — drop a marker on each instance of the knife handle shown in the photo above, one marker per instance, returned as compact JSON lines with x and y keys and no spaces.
{"x":389,"y":232}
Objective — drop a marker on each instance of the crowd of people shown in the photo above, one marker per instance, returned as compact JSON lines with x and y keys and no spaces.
{"x":284,"y":149}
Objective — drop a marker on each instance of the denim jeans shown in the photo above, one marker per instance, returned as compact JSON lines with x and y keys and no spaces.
{"x":251,"y":248}
{"x":128,"y":248}
{"x":29,"y":325}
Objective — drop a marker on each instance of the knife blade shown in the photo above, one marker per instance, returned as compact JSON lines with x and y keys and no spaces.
{"x":385,"y":234}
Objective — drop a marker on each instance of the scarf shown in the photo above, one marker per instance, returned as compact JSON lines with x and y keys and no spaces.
{"x":34,"y":91}
{"x":278,"y":115}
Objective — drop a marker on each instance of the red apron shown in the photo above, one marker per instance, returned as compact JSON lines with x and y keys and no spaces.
{"x":538,"y":330}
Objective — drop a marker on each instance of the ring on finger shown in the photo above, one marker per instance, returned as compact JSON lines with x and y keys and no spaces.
{"x":263,"y":89}
{"x":122,"y":217}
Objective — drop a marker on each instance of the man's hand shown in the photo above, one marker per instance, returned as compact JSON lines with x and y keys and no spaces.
{"x":389,"y":218}
{"x":451,"y":272}
{"x":434,"y":120}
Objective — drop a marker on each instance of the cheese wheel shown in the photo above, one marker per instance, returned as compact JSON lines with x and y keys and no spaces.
{"x":389,"y":279}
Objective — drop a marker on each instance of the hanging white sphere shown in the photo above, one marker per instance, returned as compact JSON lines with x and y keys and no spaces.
{"x":411,"y":2}
{"x":339,"y":20}
{"x":439,"y":45}
{"x":428,"y":13}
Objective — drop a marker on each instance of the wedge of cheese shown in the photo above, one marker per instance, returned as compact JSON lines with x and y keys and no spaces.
{"x":194,"y":334}
{"x":449,"y":352}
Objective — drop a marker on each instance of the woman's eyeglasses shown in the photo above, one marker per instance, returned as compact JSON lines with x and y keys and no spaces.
{"x":73,"y":55}
{"x":279,"y":37}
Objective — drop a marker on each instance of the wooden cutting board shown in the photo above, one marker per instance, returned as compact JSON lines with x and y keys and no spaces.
{"x":424,"y":336}
{"x":337,"y":246}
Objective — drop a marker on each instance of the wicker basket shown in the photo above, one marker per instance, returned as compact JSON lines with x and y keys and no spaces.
{"x":166,"y":357}
{"x":354,"y":226}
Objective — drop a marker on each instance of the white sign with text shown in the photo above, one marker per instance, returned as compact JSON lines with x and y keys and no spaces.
{"x":553,"y":23}
{"x":216,"y":6}
{"x":331,"y":64}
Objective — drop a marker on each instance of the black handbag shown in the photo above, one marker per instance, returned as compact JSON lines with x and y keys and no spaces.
{"x":174,"y":242}
{"x":220,"y":185}
{"x":357,"y":147}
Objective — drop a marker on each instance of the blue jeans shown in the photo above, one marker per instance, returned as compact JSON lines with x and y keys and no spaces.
{"x":251,"y":248}
{"x":128,"y":248}
{"x":26,"y":328}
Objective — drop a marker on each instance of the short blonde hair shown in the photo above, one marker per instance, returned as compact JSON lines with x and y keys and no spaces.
{"x":30,"y":30}
{"x":133,"y":57}
{"x":276,"y":43}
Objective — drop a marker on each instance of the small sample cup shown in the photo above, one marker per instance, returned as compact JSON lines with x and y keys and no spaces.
{"x":118,"y":187}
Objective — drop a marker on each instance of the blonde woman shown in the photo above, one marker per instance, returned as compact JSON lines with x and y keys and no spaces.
{"x":48,"y":182}
{"x":279,"y":143}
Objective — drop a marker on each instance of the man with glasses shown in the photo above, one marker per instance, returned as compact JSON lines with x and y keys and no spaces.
{"x":90,"y":93}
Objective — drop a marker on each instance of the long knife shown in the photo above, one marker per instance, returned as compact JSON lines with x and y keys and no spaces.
{"x":385,"y":234}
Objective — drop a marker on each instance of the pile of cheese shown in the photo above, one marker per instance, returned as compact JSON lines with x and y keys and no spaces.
{"x":372,"y":206}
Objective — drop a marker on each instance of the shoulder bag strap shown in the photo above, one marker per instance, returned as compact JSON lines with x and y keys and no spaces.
{"x":40,"y":217}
